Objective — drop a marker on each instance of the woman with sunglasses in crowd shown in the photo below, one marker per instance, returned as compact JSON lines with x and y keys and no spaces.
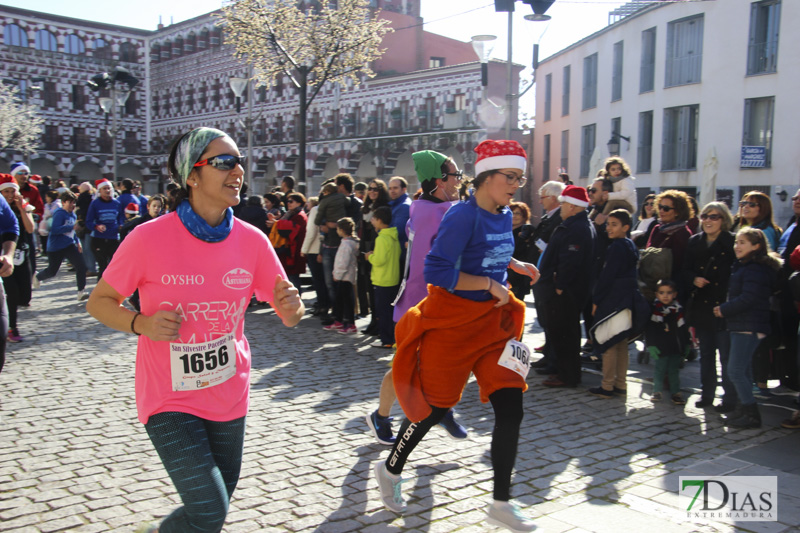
{"x":648,"y":217}
{"x":755,"y":210}
{"x":674,"y":211}
{"x":465,"y":325}
{"x":193,"y":359}
{"x":706,"y":272}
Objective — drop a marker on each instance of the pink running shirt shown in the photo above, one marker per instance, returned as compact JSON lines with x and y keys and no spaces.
{"x":210,"y":285}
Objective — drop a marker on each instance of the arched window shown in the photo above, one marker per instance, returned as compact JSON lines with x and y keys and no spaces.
{"x":177,"y":47}
{"x":74,"y":45}
{"x":202,"y":42}
{"x":216,"y":37}
{"x":127,"y":53}
{"x":190,"y":43}
{"x":102,"y":50}
{"x":13,"y":35}
{"x":166,"y":49}
{"x":46,"y":41}
{"x":155,"y":53}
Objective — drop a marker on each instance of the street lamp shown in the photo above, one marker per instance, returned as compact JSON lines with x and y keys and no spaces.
{"x":118,"y":98}
{"x":484,"y":46}
{"x":613,"y":143}
{"x":238,"y":85}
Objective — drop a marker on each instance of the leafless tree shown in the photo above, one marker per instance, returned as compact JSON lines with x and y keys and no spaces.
{"x":20,"y":124}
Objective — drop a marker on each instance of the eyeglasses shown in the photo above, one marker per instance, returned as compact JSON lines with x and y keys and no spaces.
{"x":512,"y":179}
{"x":591,"y":190}
{"x":222,"y":161}
{"x":713,"y":217}
{"x":748,"y":204}
{"x":662,"y":207}
{"x":459,"y":175}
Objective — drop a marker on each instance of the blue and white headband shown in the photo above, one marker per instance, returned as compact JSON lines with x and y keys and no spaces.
{"x":189,"y":150}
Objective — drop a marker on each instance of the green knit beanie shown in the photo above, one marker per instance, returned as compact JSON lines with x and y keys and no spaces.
{"x":428,"y":164}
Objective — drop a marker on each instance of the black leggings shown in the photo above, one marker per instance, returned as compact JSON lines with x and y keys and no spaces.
{"x":507,"y":405}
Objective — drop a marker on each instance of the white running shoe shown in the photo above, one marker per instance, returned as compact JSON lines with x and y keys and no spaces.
{"x":508,"y":515}
{"x":36,"y":282}
{"x":83,"y":295}
{"x":390,"y":489}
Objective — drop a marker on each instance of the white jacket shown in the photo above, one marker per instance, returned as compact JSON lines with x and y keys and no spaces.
{"x":624,"y":190}
{"x":312,"y":240}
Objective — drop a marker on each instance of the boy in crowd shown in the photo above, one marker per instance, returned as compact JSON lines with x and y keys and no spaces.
{"x":385,"y":262}
{"x":667,"y":337}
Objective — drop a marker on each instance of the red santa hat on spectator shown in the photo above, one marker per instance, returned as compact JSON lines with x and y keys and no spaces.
{"x":99,"y":184}
{"x":36,"y":179}
{"x":132,"y":209}
{"x":574,"y":195}
{"x":8,"y":181}
{"x":493,"y":155}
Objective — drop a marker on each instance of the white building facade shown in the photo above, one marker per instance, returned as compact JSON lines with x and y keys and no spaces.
{"x":691,"y":85}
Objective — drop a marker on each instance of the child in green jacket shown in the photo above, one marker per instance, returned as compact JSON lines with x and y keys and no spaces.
{"x":385,"y":260}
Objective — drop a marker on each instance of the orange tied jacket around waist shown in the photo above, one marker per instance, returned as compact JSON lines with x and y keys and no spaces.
{"x":442,"y":340}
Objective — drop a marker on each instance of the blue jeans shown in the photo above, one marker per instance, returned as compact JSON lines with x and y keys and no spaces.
{"x":740,"y":364}
{"x":711,"y":341}
{"x":328,"y":255}
{"x":88,"y":255}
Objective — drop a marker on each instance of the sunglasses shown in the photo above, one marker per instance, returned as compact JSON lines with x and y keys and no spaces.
{"x":795,"y":198}
{"x":665,"y":208}
{"x":222,"y":162}
{"x":648,"y":204}
{"x":713,"y":217}
{"x":514,"y":179}
{"x":591,"y":190}
{"x":748,"y":204}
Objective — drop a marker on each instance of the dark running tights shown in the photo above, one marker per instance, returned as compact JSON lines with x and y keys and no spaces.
{"x":203,"y":459}
{"x":507,"y":405}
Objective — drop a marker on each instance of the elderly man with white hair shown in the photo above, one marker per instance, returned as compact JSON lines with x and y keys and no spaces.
{"x":548,"y":197}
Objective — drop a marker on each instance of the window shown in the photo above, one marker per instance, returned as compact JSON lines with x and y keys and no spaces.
{"x":405,"y":124}
{"x":430,"y":109}
{"x":436,"y":62}
{"x":215,"y":94}
{"x":588,"y":136}
{"x":202,"y":41}
{"x":46,"y":41}
{"x":315,"y":123}
{"x":758,"y":118}
{"x":565,"y":91}
{"x":130,"y":144}
{"x":190,"y":43}
{"x":278,"y":129}
{"x":166,"y":48}
{"x":78,"y":97}
{"x":127,"y":52}
{"x":380,"y":118}
{"x":74,"y":45}
{"x":647,"y":69}
{"x":616,"y":126}
{"x":357,"y":117}
{"x":564,"y":150}
{"x":679,"y":151}
{"x":548,"y":96}
{"x":546,"y":159}
{"x":762,"y":50}
{"x":13,"y":35}
{"x":590,"y":81}
{"x":51,"y":137}
{"x":644,"y":156}
{"x":279,"y":86}
{"x":102,"y":50}
{"x":684,"y":51}
{"x":216,"y":37}
{"x":459,"y":102}
{"x":616,"y":75}
{"x":80,"y":141}
{"x":335,"y":123}
{"x":50,"y":97}
{"x":177,"y":47}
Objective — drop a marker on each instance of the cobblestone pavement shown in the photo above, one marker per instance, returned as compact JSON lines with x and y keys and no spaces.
{"x":74,"y":457}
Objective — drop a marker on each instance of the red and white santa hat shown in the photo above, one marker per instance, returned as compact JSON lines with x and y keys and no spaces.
{"x":132,"y":209}
{"x":574,"y":195}
{"x":36,"y":179}
{"x":493,"y":155}
{"x":7,"y":181}
{"x":99,"y":184}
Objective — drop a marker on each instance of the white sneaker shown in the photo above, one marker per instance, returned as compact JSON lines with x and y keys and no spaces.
{"x":36,"y":282}
{"x":508,"y":515}
{"x":390,"y":489}
{"x":82,"y":295}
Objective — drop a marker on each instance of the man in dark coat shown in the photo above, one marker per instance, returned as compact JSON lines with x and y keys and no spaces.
{"x":565,"y":285}
{"x":790,"y":319}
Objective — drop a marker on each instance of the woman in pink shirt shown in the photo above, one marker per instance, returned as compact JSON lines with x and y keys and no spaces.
{"x":193,"y":359}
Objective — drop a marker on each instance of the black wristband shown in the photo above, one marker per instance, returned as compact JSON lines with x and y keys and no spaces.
{"x":134,"y":320}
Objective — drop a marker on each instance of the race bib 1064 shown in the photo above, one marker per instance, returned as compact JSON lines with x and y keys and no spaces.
{"x":516,"y":356}
{"x":203,"y":364}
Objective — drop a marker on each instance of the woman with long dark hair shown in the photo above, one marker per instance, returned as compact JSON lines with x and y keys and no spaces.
{"x":377,"y":196}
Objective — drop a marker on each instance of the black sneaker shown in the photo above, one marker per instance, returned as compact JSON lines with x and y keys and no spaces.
{"x":601,"y":392}
{"x":621,"y":392}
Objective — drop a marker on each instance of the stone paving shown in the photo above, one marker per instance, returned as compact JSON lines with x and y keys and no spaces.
{"x":74,"y":457}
